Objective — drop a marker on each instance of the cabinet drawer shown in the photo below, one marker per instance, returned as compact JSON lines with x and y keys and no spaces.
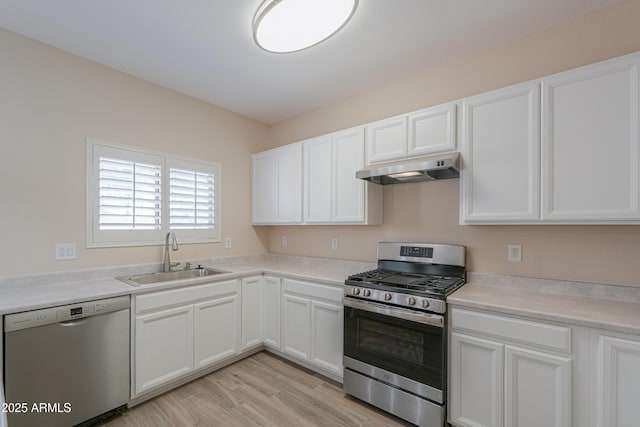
{"x":553,"y":337}
{"x":182,"y":295}
{"x":326,"y":292}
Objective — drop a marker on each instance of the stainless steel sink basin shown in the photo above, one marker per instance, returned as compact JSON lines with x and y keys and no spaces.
{"x":148,"y":279}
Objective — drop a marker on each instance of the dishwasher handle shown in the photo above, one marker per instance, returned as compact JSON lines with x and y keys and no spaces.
{"x":75,"y":322}
{"x":64,"y":313}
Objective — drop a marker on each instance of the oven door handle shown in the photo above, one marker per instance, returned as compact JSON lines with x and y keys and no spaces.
{"x":399,"y":313}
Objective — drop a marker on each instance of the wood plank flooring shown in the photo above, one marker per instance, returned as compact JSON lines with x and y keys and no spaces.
{"x":261,"y":390}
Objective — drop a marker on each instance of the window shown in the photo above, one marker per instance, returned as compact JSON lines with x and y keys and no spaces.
{"x":135,"y":197}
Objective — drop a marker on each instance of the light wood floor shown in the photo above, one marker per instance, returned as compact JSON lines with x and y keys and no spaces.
{"x":261,"y":390}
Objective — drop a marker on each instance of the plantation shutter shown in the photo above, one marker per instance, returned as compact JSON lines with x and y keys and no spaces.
{"x":135,"y":197}
{"x":130,"y":195}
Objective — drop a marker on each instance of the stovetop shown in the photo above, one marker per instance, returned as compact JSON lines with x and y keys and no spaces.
{"x":415,"y":276}
{"x":434,"y":286}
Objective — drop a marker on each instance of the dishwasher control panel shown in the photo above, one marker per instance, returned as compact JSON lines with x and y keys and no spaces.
{"x":68,"y":313}
{"x":45,"y":316}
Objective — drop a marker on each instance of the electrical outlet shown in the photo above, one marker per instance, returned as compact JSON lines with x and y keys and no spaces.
{"x":65,"y":251}
{"x":228,"y":243}
{"x":514,"y":253}
{"x":334,"y":244}
{"x":284,"y":240}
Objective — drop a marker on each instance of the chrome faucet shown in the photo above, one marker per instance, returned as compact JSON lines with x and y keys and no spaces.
{"x":168,"y":265}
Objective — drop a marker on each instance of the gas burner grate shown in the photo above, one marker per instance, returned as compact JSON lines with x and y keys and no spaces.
{"x":418,"y":283}
{"x":434,"y":285}
{"x":372,"y":275}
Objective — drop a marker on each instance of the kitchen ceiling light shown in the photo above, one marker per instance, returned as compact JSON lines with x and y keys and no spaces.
{"x":283,"y":26}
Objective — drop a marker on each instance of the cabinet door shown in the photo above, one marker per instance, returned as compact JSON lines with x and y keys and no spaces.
{"x":289,"y":188}
{"x":251,"y":312}
{"x":264,"y":188}
{"x":348,"y":191}
{"x":618,"y":382}
{"x":272,"y":311}
{"x":387,"y":140}
{"x":296,"y":326}
{"x":163,"y":346}
{"x":537,"y":389}
{"x":590,"y":132}
{"x":476,"y":375}
{"x":326,"y":332}
{"x":318,"y":173}
{"x":500,"y":177}
{"x":432,"y":130}
{"x":217,"y":329}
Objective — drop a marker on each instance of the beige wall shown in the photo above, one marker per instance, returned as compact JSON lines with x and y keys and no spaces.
{"x":429,"y":211}
{"x":50,"y":102}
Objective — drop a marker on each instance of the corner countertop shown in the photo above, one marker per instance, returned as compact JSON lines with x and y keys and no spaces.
{"x":611,"y":307}
{"x":31,"y":292}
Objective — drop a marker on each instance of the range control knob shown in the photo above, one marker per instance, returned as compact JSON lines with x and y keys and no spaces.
{"x":425,"y":303}
{"x":387,"y":296}
{"x":355,"y":291}
{"x":366,"y":293}
{"x":411,"y":301}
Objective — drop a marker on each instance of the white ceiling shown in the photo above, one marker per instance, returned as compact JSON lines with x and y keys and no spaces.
{"x":205,"y":48}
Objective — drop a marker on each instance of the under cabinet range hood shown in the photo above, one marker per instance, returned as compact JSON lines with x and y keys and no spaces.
{"x":429,"y":168}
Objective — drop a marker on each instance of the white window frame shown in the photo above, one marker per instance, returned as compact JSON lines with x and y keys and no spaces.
{"x":96,"y":238}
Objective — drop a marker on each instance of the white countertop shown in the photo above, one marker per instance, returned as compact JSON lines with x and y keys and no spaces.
{"x":22,"y":293}
{"x":610,"y":307}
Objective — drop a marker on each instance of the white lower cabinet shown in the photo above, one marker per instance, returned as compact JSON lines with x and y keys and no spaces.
{"x":326,"y":335}
{"x":477,"y":375}
{"x":164,"y":347}
{"x":510,"y":371}
{"x":252,"y":289}
{"x":216,"y":329}
{"x":537,"y":388}
{"x":296,"y":325}
{"x":182,"y":330}
{"x":272,"y":311}
{"x":313,"y":324}
{"x":618,"y":385}
{"x":506,"y":371}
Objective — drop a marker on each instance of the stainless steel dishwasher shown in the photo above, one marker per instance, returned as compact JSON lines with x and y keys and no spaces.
{"x":67,"y":365}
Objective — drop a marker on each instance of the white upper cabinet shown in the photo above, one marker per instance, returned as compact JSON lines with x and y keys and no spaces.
{"x":348,"y":191}
{"x":387,"y":140}
{"x":432,"y":130}
{"x":318,"y":174}
{"x":264,"y":187}
{"x":501,"y":154}
{"x":423,"y":132}
{"x":590,"y":130}
{"x":277,"y":186}
{"x":289,"y":170}
{"x":567,"y":153}
{"x":332,"y":193}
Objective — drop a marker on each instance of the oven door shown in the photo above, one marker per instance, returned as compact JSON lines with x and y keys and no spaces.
{"x":402,"y":347}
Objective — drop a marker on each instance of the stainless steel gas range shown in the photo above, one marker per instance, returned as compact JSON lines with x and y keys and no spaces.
{"x":395,"y":340}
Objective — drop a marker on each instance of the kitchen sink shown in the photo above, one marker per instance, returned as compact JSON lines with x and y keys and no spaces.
{"x":152,"y":278}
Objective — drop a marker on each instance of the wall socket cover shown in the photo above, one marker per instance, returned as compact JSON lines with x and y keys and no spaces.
{"x":514,"y":253}
{"x":284,"y":240}
{"x":65,"y":251}
{"x":228,"y":243}
{"x":334,"y":244}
